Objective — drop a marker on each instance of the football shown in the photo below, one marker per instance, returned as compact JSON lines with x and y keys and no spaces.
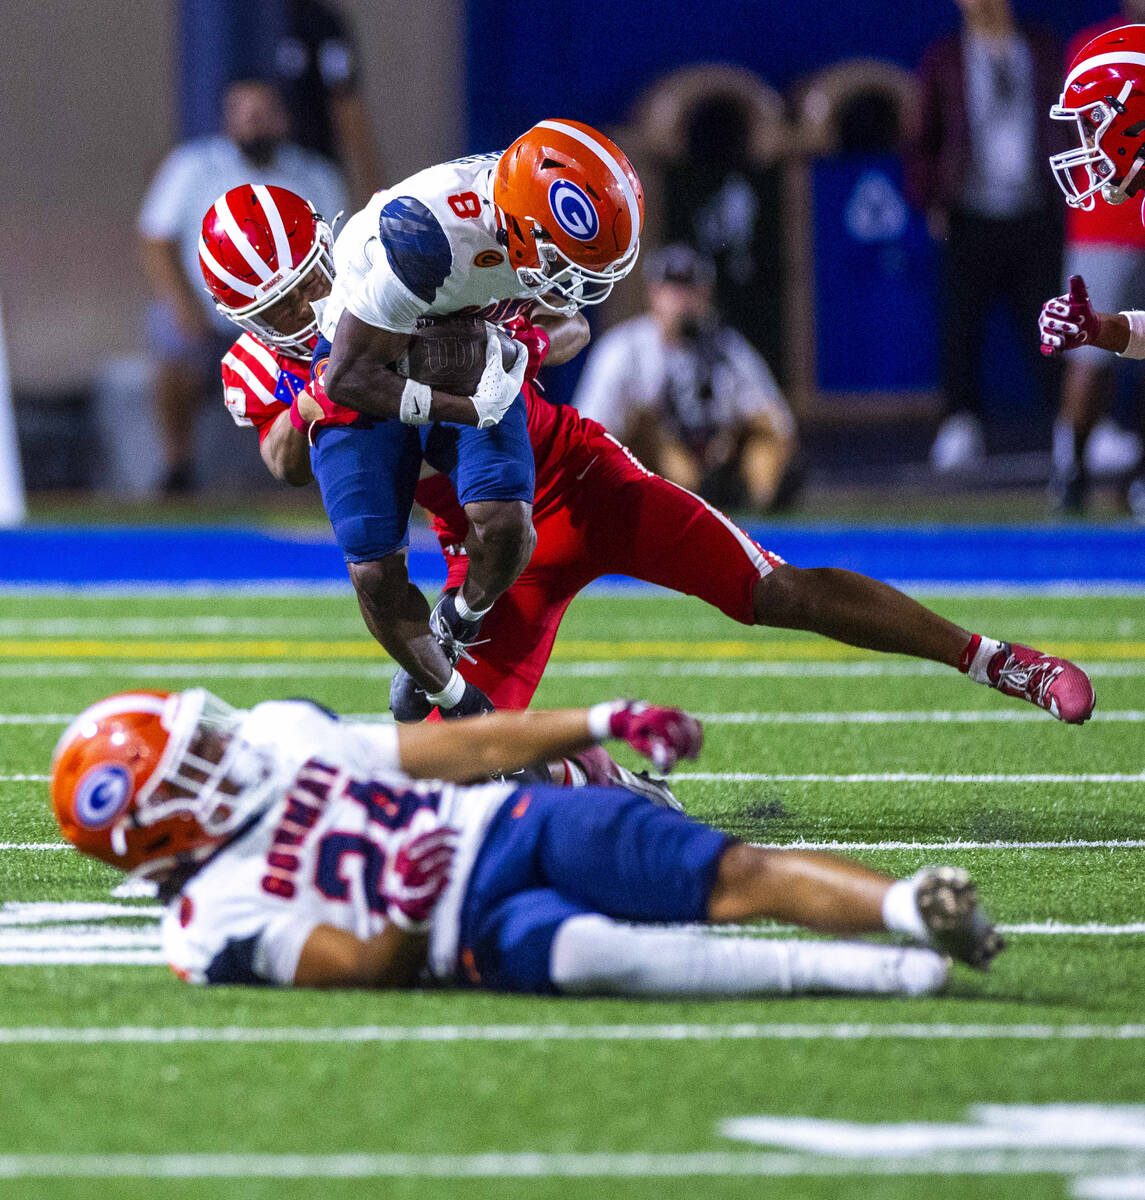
{"x":448,"y":353}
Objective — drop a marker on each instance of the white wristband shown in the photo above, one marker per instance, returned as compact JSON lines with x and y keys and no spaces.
{"x":416,"y":399}
{"x":1136,"y":345}
{"x":600,"y":718}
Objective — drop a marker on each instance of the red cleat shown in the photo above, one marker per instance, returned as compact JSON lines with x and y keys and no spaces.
{"x":1055,"y":684}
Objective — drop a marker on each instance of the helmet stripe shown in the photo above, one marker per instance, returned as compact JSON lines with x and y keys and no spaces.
{"x":610,"y":162}
{"x":242,"y":243}
{"x":277,"y":229}
{"x":222,"y":274}
{"x":1105,"y":60}
{"x":113,"y":706}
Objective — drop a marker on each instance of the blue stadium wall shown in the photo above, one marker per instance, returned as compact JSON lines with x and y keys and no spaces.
{"x":593,"y":59}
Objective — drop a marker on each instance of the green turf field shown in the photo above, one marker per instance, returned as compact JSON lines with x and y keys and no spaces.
{"x":118,"y":1081}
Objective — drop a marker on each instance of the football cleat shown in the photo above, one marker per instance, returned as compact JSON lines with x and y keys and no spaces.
{"x":408,"y":702}
{"x":473,"y":703}
{"x":602,"y":770}
{"x":956,"y":925}
{"x":1055,"y":684}
{"x":454,"y":634}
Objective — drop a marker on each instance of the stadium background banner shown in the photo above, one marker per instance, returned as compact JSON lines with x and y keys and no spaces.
{"x":862,"y":235}
{"x":635,"y":42}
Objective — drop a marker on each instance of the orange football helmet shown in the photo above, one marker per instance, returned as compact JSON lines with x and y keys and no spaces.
{"x":572,"y":209}
{"x":147,"y":781}
{"x":1104,"y":95}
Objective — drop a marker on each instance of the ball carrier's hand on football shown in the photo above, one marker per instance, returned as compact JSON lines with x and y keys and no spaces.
{"x":361,"y":375}
{"x":1069,"y":321}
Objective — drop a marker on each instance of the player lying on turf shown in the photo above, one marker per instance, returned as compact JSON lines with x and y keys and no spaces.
{"x":597,"y":511}
{"x":554,"y":220}
{"x":294,"y":848}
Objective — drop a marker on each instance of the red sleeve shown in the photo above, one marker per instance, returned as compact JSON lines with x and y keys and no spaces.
{"x":258,"y":384}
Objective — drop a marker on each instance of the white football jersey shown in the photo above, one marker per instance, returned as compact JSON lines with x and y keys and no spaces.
{"x":425,"y":247}
{"x":318,"y":854}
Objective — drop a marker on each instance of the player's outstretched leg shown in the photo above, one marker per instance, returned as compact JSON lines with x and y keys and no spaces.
{"x":937,"y":906}
{"x":594,"y":955}
{"x":861,"y":611}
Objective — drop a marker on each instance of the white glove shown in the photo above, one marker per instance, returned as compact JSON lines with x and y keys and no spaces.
{"x":497,"y":388}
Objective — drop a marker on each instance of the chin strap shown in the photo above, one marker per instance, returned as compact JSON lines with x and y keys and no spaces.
{"x":1120,"y":192}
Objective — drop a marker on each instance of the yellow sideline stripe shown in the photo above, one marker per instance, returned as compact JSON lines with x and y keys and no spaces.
{"x":764,"y":649}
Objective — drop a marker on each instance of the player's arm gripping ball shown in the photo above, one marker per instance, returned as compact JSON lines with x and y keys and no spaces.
{"x":533,"y":338}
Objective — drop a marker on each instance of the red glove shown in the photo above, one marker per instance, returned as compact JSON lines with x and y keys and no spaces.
{"x":313,"y":406}
{"x":662,"y":734}
{"x":533,"y":338}
{"x":1069,"y":321}
{"x":416,"y":876}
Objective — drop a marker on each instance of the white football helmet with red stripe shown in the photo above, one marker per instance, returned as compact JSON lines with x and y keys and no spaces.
{"x":1104,"y":94}
{"x":572,"y":209}
{"x":265,"y":254}
{"x":149,"y":781}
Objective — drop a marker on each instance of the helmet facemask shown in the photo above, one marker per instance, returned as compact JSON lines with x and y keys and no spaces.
{"x":1093,"y":122}
{"x":207,"y":772}
{"x":577,"y":286}
{"x":316,"y":268}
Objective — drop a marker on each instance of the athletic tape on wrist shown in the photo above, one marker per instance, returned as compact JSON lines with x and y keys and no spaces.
{"x":1136,"y":345}
{"x":416,"y":399}
{"x":600,"y":718}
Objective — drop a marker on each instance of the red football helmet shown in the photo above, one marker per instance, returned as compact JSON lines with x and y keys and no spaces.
{"x":573,"y":208}
{"x":148,"y":781}
{"x":265,"y":253}
{"x":1104,"y":94}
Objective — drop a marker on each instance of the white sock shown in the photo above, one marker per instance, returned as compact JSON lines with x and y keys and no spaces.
{"x":464,"y":611}
{"x":592,"y":954}
{"x":900,"y":910}
{"x":987,"y":648}
{"x":450,"y":694}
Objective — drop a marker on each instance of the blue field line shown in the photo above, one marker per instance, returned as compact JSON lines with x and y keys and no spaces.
{"x":1100,"y":557}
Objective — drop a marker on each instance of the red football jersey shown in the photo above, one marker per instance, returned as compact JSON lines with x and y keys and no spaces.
{"x":259,"y":383}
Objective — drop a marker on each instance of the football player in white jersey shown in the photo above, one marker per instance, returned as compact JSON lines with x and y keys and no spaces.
{"x":296,"y":849}
{"x":546,"y":227}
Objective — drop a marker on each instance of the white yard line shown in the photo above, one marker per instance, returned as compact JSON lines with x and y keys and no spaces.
{"x":540,"y":1165}
{"x":631,"y":1032}
{"x":901,"y":777}
{"x":571,"y":669}
{"x":46,"y":912}
{"x":1004,"y":716}
{"x":956,"y":844}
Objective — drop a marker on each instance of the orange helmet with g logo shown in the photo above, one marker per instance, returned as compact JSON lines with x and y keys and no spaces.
{"x":146,"y":781}
{"x":572,"y":208}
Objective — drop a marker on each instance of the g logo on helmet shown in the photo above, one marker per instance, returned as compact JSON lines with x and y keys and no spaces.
{"x":102,"y":795}
{"x":573,"y":210}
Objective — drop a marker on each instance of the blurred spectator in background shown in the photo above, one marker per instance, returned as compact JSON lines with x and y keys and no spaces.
{"x":978,"y":171}
{"x":690,"y":396}
{"x":1106,"y":246}
{"x":316,"y":67}
{"x":185,"y":334}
